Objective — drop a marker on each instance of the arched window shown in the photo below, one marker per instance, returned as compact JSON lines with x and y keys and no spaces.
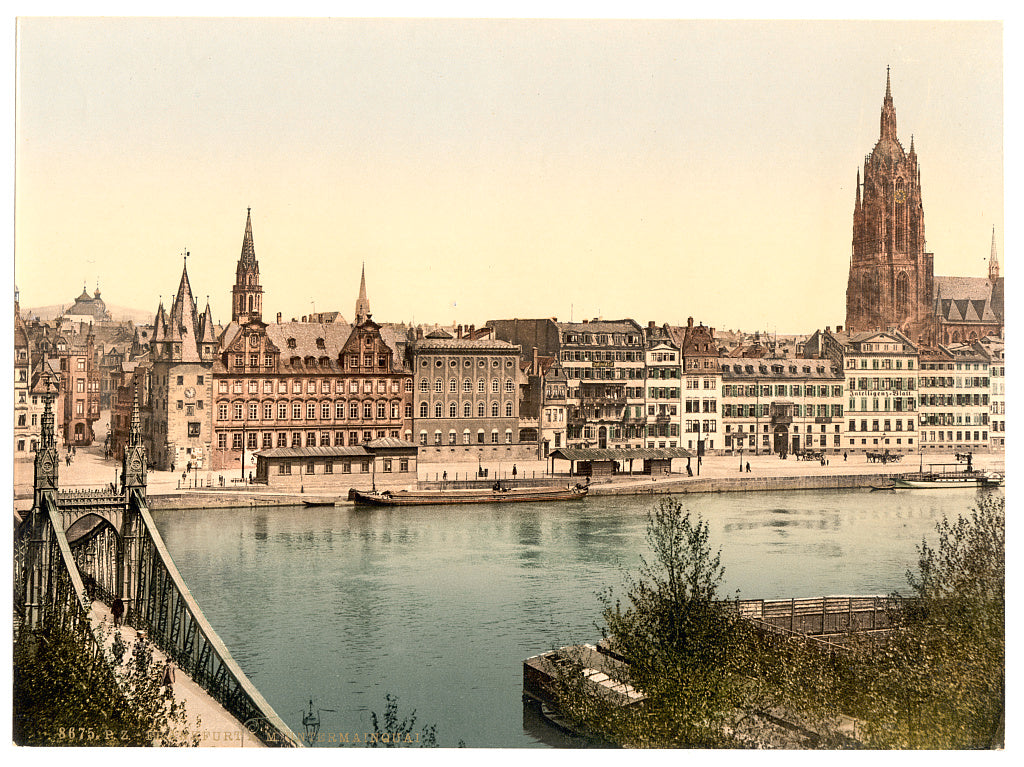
{"x":423,"y":410}
{"x":438,"y":411}
{"x":508,"y":409}
{"x":453,"y":410}
{"x":903,"y":296}
{"x":480,"y":410}
{"x":494,"y":410}
{"x":467,"y":410}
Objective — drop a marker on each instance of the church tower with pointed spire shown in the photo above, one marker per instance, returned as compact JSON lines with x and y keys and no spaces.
{"x":993,"y":260}
{"x":362,"y":312}
{"x":247,"y":294}
{"x":891,"y":276}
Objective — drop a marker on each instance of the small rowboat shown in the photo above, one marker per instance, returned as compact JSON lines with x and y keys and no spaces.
{"x":320,"y":502}
{"x":429,"y":497}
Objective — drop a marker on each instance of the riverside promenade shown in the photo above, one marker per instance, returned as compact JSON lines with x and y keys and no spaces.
{"x":719,"y":473}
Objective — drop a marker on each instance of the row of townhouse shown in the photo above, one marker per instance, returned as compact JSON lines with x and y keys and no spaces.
{"x":47,"y":357}
{"x":865,"y":392}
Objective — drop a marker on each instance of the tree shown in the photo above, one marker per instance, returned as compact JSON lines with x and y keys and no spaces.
{"x":940,"y":682}
{"x":67,"y":695}
{"x":681,"y":643}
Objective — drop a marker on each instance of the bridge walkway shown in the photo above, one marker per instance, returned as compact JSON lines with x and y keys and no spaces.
{"x":217,"y":727}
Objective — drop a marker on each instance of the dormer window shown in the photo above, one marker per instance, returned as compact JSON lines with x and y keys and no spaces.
{"x":291,"y":343}
{"x":321,"y":344}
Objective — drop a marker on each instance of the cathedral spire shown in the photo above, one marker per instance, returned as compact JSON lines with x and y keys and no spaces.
{"x":856,"y":207}
{"x":993,"y":259}
{"x":888,"y":119}
{"x":362,"y":312}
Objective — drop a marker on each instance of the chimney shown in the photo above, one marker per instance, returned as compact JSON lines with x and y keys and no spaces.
{"x":536,"y":369}
{"x":828,"y":328}
{"x":584,"y":320}
{"x":469,"y":333}
{"x":279,"y":318}
{"x":650,"y":324}
{"x":419,"y":332}
{"x":839,"y":328}
{"x":689,"y":322}
{"x":303,"y":317}
{"x":458,"y":332}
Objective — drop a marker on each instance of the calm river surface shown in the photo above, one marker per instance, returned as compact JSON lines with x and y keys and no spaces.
{"x":440,"y":605}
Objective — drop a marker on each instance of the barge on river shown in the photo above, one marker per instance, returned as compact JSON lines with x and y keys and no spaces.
{"x":491,"y":495}
{"x":947,"y":476}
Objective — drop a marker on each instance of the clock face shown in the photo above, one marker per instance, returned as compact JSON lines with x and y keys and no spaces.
{"x":901,"y":196}
{"x":190,"y":392}
{"x":254,"y":340}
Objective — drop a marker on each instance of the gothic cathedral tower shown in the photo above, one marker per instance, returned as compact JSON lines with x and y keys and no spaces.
{"x":247,"y":295}
{"x":891,"y":280}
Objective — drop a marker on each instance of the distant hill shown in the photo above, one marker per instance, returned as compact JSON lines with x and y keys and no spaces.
{"x":118,"y":313}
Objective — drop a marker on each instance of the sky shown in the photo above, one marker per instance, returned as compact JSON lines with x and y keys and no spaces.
{"x":485,"y":169}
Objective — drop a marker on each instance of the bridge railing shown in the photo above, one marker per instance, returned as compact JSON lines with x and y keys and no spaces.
{"x":166,"y":609}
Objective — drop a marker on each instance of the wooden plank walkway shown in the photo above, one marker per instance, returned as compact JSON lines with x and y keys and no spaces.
{"x":217,"y":727}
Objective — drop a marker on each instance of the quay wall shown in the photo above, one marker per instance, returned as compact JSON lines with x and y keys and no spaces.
{"x":213,"y":499}
{"x":744,"y":484}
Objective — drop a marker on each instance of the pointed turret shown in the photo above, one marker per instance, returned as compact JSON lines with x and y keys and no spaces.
{"x":247,"y":295}
{"x":183,"y":322}
{"x":46,"y":463}
{"x":133,"y":465}
{"x":362,"y":312}
{"x":206,"y":325}
{"x":993,"y":260}
{"x":888,"y":119}
{"x":856,"y":205}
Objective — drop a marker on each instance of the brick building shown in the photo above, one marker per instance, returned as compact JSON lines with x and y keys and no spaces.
{"x":303,"y":385}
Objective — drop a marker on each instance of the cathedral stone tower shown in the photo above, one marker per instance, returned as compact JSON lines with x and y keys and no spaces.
{"x":247,"y":295}
{"x":891,"y":277}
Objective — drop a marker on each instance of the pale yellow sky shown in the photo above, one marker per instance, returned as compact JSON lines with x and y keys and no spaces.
{"x":651,"y":169}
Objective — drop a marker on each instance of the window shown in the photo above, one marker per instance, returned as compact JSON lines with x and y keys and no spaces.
{"x":236,"y":441}
{"x":282,"y":439}
{"x":452,"y":410}
{"x":494,"y":410}
{"x":222,"y":441}
{"x":509,"y":385}
{"x":353,"y":411}
{"x":367,"y":410}
{"x":222,"y":411}
{"x":508,"y":409}
{"x":310,"y":411}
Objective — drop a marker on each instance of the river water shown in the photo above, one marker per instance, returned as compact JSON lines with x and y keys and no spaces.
{"x":439,"y":606}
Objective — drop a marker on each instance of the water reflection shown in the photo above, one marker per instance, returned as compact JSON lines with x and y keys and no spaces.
{"x":440,"y":605}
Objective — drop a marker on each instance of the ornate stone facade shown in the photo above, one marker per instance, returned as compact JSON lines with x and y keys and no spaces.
{"x":890,"y":283}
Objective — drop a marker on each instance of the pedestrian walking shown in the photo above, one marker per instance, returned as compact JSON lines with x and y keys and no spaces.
{"x":444,"y":476}
{"x":168,"y":677}
{"x":844,"y":455}
{"x":514,"y":471}
{"x":117,"y":610}
{"x":748,"y":467}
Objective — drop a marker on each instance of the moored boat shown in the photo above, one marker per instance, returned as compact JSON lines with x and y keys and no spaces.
{"x":941,"y":477}
{"x":492,"y":495}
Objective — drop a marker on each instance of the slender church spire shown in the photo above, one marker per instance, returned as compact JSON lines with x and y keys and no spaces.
{"x":888,"y":119}
{"x":993,"y":259}
{"x":362,"y":312}
{"x":247,"y":294}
